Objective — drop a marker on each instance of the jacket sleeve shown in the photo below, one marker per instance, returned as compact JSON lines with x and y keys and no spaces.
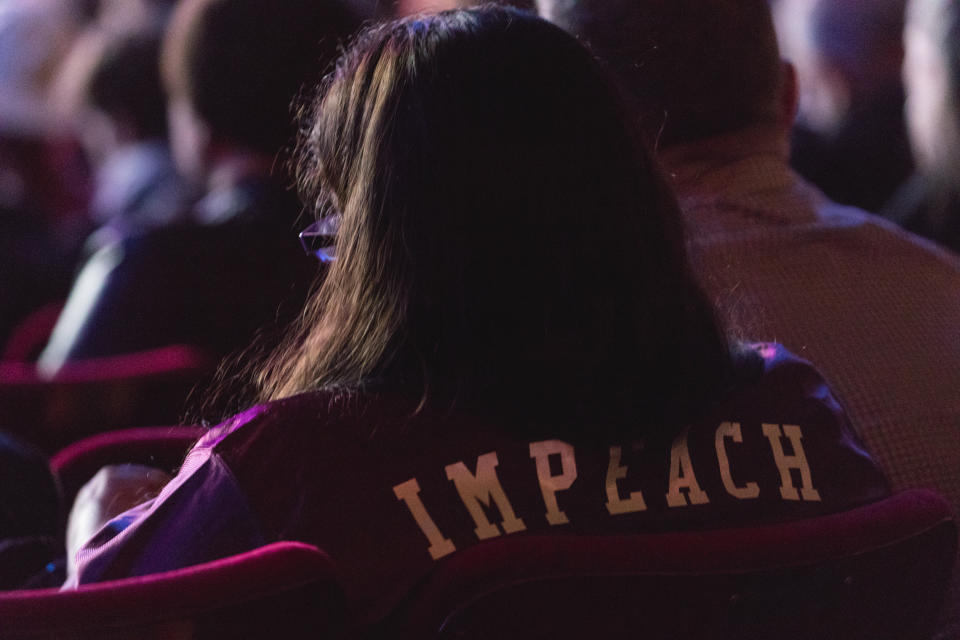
{"x":201,"y":515}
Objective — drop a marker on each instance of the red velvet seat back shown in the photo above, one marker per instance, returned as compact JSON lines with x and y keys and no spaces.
{"x":86,"y":397}
{"x":283,"y":590}
{"x":879,"y":571}
{"x":31,"y":334}
{"x":160,"y":447}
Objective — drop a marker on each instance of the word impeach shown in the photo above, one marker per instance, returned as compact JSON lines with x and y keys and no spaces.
{"x":483,"y":487}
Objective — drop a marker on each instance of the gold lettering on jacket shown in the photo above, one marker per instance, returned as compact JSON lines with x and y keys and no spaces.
{"x":785,"y":463}
{"x":683,"y":481}
{"x":482,"y":493}
{"x":484,"y":487}
{"x":615,"y":472}
{"x":732,"y":430}
{"x":551,"y":484}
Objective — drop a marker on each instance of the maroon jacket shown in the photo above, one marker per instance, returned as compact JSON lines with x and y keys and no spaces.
{"x":388,"y":495}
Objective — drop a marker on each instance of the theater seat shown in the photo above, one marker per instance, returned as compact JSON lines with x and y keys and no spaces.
{"x":283,"y":590}
{"x":875,"y":572}
{"x":31,"y":334}
{"x":90,"y":396}
{"x":160,"y":447}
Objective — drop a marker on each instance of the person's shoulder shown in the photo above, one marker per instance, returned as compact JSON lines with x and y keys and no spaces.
{"x":168,"y":246}
{"x":788,"y":400}
{"x":886,"y":237}
{"x":772,"y":360}
{"x":779,"y":382}
{"x":788,"y":390}
{"x":326,"y":417}
{"x":280,"y":443}
{"x":266,"y":417}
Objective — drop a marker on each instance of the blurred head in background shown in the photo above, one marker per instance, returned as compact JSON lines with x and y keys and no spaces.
{"x":232,"y":68}
{"x":931,"y":75}
{"x":114,"y":95}
{"x":850,"y":138}
{"x":110,"y":91}
{"x":846,"y":53}
{"x":34,"y":37}
{"x":929,"y":202}
{"x":124,"y":16}
{"x":408,"y":7}
{"x":691,"y":69}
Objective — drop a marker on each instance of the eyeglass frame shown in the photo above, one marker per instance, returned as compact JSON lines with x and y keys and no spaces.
{"x":325,"y":227}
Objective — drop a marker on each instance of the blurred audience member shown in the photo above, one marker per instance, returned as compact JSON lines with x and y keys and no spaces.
{"x":34,"y":34}
{"x":408,"y":7}
{"x":231,"y":69}
{"x":29,"y":516}
{"x":929,"y":202}
{"x":850,"y":138}
{"x":126,"y":16}
{"x":118,"y":106}
{"x":41,"y":188}
{"x":526,"y":5}
{"x":109,"y":92}
{"x":29,"y":497}
{"x":876,"y":308}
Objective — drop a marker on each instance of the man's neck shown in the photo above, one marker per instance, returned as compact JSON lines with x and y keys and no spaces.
{"x":688,"y":161}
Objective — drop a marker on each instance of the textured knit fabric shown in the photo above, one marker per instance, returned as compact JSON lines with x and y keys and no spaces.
{"x":388,"y":494}
{"x":875,"y":308}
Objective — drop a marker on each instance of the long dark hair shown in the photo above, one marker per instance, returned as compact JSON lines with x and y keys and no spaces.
{"x":506,"y":241}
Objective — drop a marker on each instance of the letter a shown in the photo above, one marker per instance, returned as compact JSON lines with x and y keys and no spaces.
{"x":785,"y":463}
{"x":480,"y":489}
{"x":682,"y":476}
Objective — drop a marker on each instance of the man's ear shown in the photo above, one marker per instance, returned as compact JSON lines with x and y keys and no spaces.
{"x":789,"y":94}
